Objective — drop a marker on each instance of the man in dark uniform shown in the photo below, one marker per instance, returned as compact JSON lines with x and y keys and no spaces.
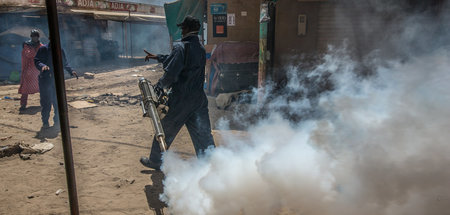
{"x":188,"y":105}
{"x":44,"y":63}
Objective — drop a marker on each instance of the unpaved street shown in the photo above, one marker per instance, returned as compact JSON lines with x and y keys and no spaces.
{"x":107,"y":140}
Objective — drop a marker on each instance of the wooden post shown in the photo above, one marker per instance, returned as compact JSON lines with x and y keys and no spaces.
{"x":52,"y":15}
{"x":262,"y":65}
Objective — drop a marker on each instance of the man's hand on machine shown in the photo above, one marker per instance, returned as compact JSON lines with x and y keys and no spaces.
{"x":160,"y":93}
{"x":159,"y":90}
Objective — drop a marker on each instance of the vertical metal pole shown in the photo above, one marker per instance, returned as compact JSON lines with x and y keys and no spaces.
{"x":131,"y":41}
{"x":126,"y":41}
{"x":271,"y":39}
{"x":123,"y":41}
{"x":131,"y":36}
{"x":205,"y":20}
{"x":262,"y":67}
{"x":52,"y":16}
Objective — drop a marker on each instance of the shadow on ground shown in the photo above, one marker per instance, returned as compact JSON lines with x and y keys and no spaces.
{"x":50,"y":133}
{"x":32,"y":110}
{"x":153,"y":191}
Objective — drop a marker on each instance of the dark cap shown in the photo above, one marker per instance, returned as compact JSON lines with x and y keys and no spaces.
{"x":190,"y":22}
{"x":34,"y":32}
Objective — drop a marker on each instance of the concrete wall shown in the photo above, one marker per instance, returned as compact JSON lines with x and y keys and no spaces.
{"x":247,"y":27}
{"x":288,"y":44}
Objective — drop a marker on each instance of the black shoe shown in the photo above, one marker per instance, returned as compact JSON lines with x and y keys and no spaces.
{"x":150,"y":164}
{"x":45,"y":125}
{"x":22,"y":108}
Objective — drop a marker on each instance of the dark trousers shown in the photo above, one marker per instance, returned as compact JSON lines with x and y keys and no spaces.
{"x":197,"y":123}
{"x":48,"y":98}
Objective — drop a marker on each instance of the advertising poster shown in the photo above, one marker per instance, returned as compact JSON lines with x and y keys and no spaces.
{"x":219,"y":15}
{"x":220,"y":25}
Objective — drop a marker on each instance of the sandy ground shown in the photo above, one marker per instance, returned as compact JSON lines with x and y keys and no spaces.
{"x":107,"y":140}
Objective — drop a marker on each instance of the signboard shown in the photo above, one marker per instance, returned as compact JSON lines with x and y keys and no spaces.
{"x":231,"y":19}
{"x":219,"y":16}
{"x":114,"y":6}
{"x":218,"y":8}
{"x":118,"y":6}
{"x":220,"y":25}
{"x":69,"y":3}
{"x":104,"y":5}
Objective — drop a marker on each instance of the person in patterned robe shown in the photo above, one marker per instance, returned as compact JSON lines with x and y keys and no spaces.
{"x":29,"y":83}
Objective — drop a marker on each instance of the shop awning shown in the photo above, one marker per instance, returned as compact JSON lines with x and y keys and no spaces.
{"x":117,"y":10}
{"x":122,"y":16}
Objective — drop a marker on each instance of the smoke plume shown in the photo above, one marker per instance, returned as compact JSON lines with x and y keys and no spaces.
{"x":377,"y":145}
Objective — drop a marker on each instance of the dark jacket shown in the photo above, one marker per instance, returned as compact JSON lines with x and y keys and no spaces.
{"x":185,"y":72}
{"x":44,"y":58}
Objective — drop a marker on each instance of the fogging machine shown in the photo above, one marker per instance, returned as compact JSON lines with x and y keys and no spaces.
{"x":149,"y":103}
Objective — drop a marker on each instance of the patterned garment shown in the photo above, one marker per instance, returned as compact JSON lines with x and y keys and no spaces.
{"x":29,"y":78}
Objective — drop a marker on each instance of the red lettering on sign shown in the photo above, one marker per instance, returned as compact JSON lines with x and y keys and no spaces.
{"x":86,"y":3}
{"x":122,"y":6}
{"x":117,"y":6}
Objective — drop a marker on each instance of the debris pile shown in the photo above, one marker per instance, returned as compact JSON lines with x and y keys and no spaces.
{"x":111,"y":99}
{"x":226,"y":100}
{"x":123,"y":182}
{"x":88,"y":75}
{"x":24,"y":150}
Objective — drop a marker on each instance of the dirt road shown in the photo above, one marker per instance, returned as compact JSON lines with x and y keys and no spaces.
{"x":107,"y":140}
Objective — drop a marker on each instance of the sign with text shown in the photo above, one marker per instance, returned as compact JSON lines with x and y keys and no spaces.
{"x":104,"y":5}
{"x":218,"y":8}
{"x":220,"y":25}
{"x":231,"y":19}
{"x":122,"y":6}
{"x":116,"y":6}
